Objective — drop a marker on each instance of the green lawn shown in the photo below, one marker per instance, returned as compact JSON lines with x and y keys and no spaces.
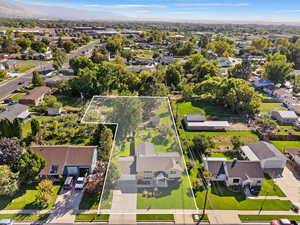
{"x":150,"y":217}
{"x":17,"y":96}
{"x":267,"y":108}
{"x":281,"y":145}
{"x":22,"y":68}
{"x":219,"y":197}
{"x":178,"y":197}
{"x":268,"y":217}
{"x":210,"y":110}
{"x":25,"y":199}
{"x":25,"y":217}
{"x":91,"y":217}
{"x":269,"y":188}
{"x":89,"y":201}
{"x":227,"y":155}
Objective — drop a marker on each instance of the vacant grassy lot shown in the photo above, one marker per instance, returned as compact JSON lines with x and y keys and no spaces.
{"x":268,"y":217}
{"x":179,"y":197}
{"x":25,"y":217}
{"x":155,"y":217}
{"x":25,"y":199}
{"x":219,"y":197}
{"x":281,"y":145}
{"x":91,"y":217}
{"x":267,"y":108}
{"x":210,"y":110}
{"x":22,"y":68}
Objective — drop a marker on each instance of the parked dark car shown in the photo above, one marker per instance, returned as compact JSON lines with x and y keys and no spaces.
{"x":7,"y":100}
{"x":68,"y":183}
{"x":255,"y":190}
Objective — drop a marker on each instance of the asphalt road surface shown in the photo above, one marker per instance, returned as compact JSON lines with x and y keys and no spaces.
{"x":22,"y":81}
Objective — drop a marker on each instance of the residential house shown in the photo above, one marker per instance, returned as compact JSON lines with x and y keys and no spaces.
{"x":285,"y":117}
{"x":16,"y":111}
{"x":35,"y":96}
{"x":43,"y":56}
{"x":236,"y":172}
{"x":148,"y":168}
{"x":156,"y":168}
{"x":271,"y":159}
{"x":227,"y":62}
{"x":198,"y":123}
{"x":143,"y":61}
{"x":282,"y":93}
{"x":70,"y":160}
{"x":262,"y":83}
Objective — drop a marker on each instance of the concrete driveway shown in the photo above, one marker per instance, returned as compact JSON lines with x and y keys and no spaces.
{"x":290,"y":185}
{"x":65,"y":208}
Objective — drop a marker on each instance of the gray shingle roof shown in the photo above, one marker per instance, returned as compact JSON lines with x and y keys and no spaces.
{"x":13,"y":111}
{"x":194,"y":118}
{"x":287,"y":114}
{"x":264,"y":150}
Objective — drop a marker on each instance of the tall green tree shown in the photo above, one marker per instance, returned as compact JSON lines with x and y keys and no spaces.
{"x":277,"y":68}
{"x":105,"y":144}
{"x":17,"y":126}
{"x":10,"y":152}
{"x":202,"y":143}
{"x":242,"y":70}
{"x":174,"y":74}
{"x":80,"y":62}
{"x":8,"y":181}
{"x":30,"y":165}
{"x":35,"y":127}
{"x":37,"y":79}
{"x":45,"y":193}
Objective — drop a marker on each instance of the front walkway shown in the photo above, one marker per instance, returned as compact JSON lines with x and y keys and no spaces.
{"x":223,"y":218}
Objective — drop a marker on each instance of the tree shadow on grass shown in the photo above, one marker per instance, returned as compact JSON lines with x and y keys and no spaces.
{"x":218,"y":188}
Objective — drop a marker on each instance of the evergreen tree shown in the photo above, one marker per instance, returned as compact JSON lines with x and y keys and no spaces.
{"x":35,"y":127}
{"x":37,"y":79}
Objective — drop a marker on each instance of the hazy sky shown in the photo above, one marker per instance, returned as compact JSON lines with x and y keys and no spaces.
{"x":248,"y":10}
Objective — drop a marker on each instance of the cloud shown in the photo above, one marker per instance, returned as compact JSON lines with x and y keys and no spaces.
{"x":213,"y":4}
{"x":127,"y":6}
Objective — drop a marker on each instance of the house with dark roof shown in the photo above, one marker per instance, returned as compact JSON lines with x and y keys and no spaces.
{"x":198,"y":122}
{"x":67,"y":160}
{"x":285,"y":117}
{"x":235,"y":172}
{"x":271,"y":159}
{"x":35,"y":96}
{"x":16,"y":111}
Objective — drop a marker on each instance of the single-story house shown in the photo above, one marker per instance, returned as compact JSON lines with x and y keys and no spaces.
{"x":43,"y":56}
{"x":271,"y":159}
{"x":285,"y":117}
{"x":262,"y":82}
{"x":227,"y":62}
{"x":53,"y":81}
{"x":12,"y":112}
{"x":35,"y":96}
{"x":67,"y":160}
{"x":235,"y":172}
{"x":282,"y":93}
{"x":198,"y":123}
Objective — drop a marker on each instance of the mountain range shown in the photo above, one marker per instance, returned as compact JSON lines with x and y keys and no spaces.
{"x":15,"y":9}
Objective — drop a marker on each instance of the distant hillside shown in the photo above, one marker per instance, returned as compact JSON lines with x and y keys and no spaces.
{"x":21,"y":10}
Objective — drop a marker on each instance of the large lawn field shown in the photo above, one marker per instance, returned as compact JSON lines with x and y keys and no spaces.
{"x":281,"y":145}
{"x":22,"y":68}
{"x":177,"y":198}
{"x":25,"y":199}
{"x":210,"y":110}
{"x":219,"y":197}
{"x":267,"y":108}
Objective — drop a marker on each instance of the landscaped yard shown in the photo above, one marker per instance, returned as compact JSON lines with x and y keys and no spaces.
{"x":268,"y":217}
{"x":25,"y":217}
{"x":176,"y":198}
{"x":25,"y":199}
{"x":219,"y":197}
{"x":269,"y":188}
{"x":227,"y":155}
{"x":89,"y":201}
{"x":281,"y":145}
{"x":17,"y":96}
{"x":150,"y":217}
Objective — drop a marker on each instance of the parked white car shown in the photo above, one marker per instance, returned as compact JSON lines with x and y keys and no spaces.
{"x":79,"y":183}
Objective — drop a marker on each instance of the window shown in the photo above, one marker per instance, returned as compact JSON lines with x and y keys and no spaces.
{"x":236,"y":180}
{"x":147,"y":171}
{"x":259,"y":182}
{"x":54,"y":169}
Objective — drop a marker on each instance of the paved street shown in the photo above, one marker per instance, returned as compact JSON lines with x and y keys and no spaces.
{"x":17,"y":83}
